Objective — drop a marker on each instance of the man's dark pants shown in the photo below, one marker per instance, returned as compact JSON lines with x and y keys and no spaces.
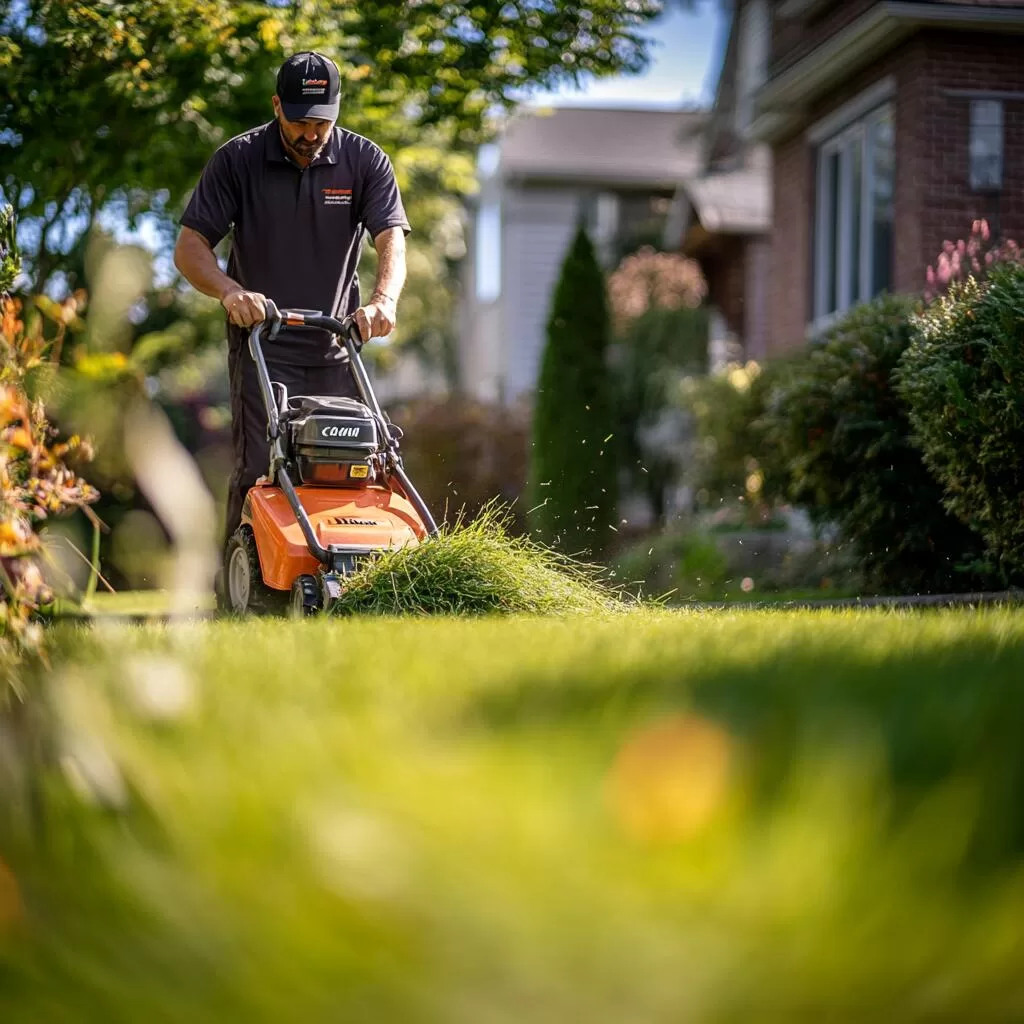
{"x":249,"y":415}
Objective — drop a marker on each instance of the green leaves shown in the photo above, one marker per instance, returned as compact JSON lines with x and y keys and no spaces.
{"x":963,"y":381}
{"x":104,"y":100}
{"x":574,"y":472}
{"x":841,"y":426}
{"x":10,"y":256}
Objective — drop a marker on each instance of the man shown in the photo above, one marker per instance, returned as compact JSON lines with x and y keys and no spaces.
{"x":301,"y":195}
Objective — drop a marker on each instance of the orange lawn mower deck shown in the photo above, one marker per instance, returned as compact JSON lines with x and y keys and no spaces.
{"x":297,"y":542}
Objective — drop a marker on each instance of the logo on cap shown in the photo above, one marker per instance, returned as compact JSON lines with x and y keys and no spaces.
{"x":308,"y":86}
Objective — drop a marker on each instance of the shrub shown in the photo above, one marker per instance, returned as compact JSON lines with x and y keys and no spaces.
{"x":573,"y":472}
{"x":661,"y":335}
{"x":963,"y":381}
{"x":648,"y":280}
{"x":35,"y":482}
{"x":463,"y":454}
{"x":685,"y":565}
{"x":679,"y":565}
{"x":837,"y":420}
{"x":731,"y":461}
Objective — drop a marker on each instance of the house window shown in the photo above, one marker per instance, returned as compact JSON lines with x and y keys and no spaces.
{"x":854,"y":224}
{"x":986,"y":150}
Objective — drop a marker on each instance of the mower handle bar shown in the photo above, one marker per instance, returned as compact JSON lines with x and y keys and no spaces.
{"x":311,"y":318}
{"x":315,"y":319}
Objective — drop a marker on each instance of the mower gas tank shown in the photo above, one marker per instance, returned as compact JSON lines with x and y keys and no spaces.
{"x":336,"y":432}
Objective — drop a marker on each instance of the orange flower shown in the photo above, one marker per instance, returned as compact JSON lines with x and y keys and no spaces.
{"x":11,"y":405}
{"x":19,"y":437}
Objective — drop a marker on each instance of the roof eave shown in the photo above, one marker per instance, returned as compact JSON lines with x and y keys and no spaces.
{"x":704,"y":224}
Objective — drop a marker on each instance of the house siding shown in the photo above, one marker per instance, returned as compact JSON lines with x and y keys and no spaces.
{"x":538,"y":227}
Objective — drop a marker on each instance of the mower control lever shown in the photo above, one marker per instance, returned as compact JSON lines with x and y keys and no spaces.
{"x":273,"y":319}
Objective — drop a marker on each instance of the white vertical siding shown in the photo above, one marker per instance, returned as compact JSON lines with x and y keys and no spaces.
{"x":538,"y":227}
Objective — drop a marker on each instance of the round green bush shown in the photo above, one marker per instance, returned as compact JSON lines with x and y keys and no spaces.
{"x":962,"y":379}
{"x":836,"y":419}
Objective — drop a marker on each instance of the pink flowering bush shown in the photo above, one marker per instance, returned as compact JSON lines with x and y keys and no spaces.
{"x":650,"y":280}
{"x":966,"y":259}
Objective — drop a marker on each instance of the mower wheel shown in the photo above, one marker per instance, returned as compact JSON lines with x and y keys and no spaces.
{"x":305,"y":596}
{"x":245,"y":591}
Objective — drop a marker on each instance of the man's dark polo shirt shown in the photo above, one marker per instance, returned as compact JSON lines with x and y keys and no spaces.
{"x":298,"y":234}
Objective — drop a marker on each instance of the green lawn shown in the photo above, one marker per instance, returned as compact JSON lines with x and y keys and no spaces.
{"x":650,"y":817}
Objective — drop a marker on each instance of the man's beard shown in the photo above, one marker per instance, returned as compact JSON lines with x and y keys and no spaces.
{"x":301,"y":146}
{"x":305,"y":148}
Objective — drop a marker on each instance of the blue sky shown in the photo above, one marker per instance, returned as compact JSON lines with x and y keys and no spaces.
{"x":684,"y":65}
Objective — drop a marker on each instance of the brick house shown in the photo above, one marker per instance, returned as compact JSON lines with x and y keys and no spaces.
{"x":885,"y":127}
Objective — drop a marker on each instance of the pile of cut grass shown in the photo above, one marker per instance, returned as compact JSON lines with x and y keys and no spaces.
{"x":478,"y":568}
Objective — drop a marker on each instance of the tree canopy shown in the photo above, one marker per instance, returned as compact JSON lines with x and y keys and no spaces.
{"x":117,"y":104}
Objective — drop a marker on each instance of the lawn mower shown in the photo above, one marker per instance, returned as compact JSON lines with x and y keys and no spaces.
{"x":335,"y":494}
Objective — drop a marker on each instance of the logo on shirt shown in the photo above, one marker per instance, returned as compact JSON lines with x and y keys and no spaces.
{"x":336,"y":196}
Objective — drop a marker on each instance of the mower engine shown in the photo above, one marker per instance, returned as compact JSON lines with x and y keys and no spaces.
{"x":333,"y":442}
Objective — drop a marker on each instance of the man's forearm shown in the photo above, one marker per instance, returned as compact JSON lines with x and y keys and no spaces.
{"x":390,"y":246}
{"x":196,"y":261}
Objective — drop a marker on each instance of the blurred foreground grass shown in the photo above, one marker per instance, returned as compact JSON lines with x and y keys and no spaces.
{"x":651,"y":817}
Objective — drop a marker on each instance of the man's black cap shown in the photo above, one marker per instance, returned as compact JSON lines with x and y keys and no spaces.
{"x":308,"y":85}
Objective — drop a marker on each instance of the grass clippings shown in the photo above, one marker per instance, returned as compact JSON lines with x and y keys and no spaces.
{"x":478,"y":568}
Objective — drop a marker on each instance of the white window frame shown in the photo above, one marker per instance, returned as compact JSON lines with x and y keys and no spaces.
{"x":858,"y":134}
